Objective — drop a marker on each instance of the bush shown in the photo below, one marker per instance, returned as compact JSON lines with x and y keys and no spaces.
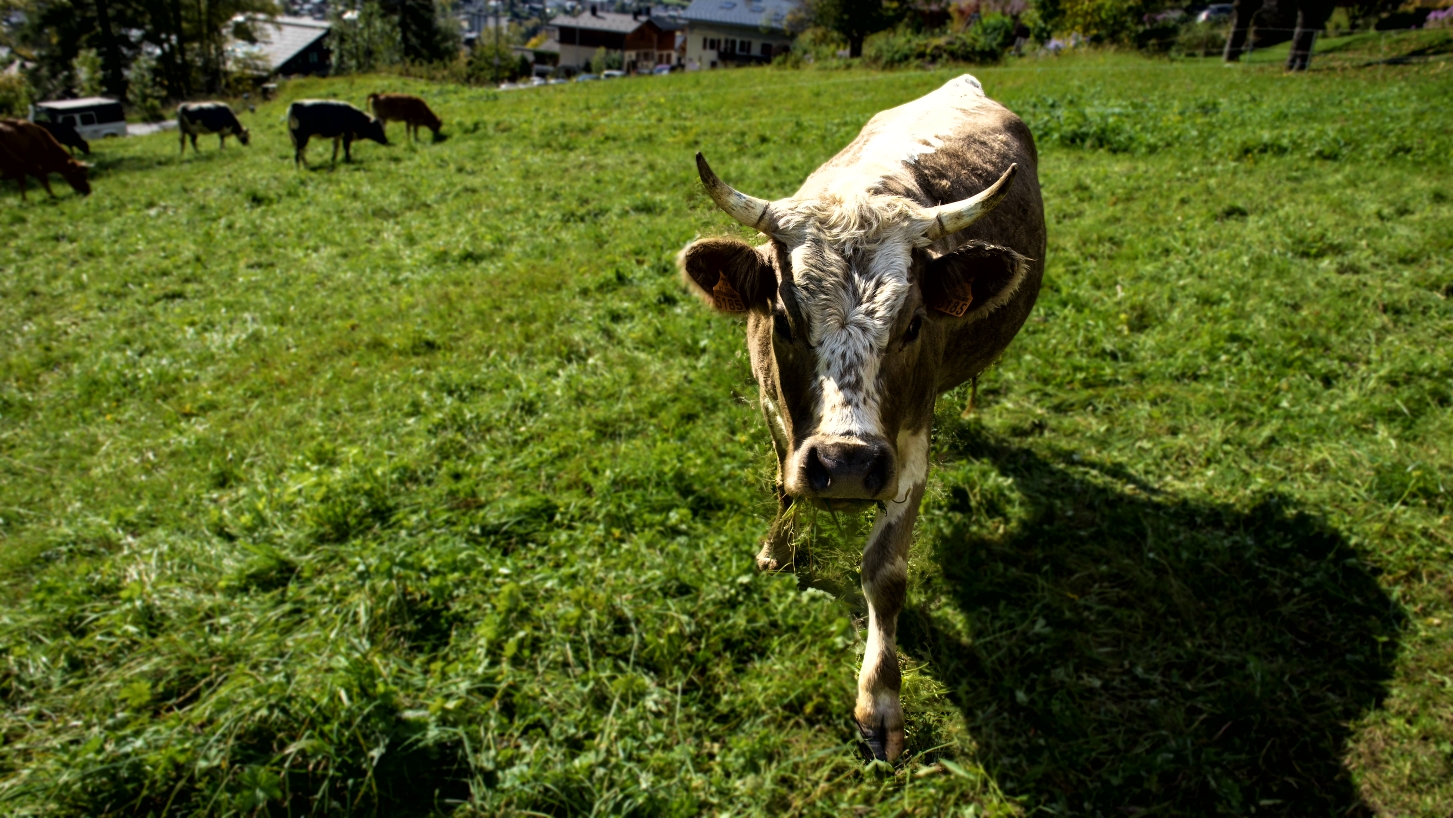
{"x":1103,"y":21}
{"x":984,"y":44}
{"x":14,"y":95}
{"x":814,"y":46}
{"x":1201,"y":39}
{"x":491,"y":64}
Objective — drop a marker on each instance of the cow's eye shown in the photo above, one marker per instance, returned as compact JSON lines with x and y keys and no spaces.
{"x":784,"y":329}
{"x":913,"y":327}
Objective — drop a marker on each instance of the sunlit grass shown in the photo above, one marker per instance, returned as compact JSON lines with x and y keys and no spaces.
{"x":419,"y":484}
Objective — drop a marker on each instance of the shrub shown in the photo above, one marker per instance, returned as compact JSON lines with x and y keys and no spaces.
{"x":1201,"y":39}
{"x":984,"y":44}
{"x":14,"y":95}
{"x":1103,"y":21}
{"x":1442,"y":18}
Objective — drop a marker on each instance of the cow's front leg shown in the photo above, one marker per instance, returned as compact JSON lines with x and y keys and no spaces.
{"x":885,"y":584}
{"x":777,"y":552}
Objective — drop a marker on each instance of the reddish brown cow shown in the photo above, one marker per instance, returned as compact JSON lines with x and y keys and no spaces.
{"x":407,"y":108}
{"x":27,"y":149}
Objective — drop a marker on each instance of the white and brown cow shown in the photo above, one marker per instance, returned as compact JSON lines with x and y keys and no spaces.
{"x":900,"y":269}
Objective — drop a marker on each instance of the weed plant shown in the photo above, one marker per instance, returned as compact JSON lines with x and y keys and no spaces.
{"x":419,"y":486}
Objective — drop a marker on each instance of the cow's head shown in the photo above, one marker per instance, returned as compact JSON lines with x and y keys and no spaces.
{"x":848,"y":313}
{"x":75,"y":175}
{"x":244,"y":136}
{"x":372,"y":130}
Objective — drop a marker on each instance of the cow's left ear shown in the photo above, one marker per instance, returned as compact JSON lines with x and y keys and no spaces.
{"x":728,"y":274}
{"x":973,"y":280}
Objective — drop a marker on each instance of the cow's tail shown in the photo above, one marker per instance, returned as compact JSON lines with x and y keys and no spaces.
{"x":371,"y":99}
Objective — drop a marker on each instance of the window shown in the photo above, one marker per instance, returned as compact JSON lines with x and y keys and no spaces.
{"x":705,"y":44}
{"x":744,"y":47}
{"x":312,"y":56}
{"x":88,"y":118}
{"x":766,"y":49}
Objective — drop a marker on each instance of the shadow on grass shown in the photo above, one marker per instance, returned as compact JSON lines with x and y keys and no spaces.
{"x":1137,"y":653}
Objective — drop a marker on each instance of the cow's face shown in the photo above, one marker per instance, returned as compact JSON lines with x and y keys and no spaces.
{"x":75,"y":175}
{"x":847,"y":312}
{"x":244,"y":136}
{"x":373,"y":130}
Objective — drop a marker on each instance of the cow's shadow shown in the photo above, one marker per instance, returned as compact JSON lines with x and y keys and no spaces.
{"x":1126,"y":650}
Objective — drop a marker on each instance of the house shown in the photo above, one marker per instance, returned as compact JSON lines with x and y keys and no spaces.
{"x":285,"y":45}
{"x":736,"y":32}
{"x":641,"y":41}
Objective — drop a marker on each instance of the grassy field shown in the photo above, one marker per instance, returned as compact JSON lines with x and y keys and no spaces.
{"x":419,"y":486}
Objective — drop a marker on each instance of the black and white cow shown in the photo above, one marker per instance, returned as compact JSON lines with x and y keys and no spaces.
{"x":332,"y":119}
{"x":201,"y":118}
{"x":900,"y":269}
{"x":68,"y":136}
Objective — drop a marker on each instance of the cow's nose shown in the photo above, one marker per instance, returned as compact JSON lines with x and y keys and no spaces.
{"x":848,"y":469}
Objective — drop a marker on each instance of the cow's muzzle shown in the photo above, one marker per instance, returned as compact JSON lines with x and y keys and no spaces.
{"x":842,"y":468}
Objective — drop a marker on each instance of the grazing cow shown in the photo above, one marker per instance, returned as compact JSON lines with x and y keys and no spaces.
{"x":68,"y":136}
{"x":196,"y":119}
{"x":900,"y":269}
{"x":338,"y":121}
{"x":407,"y":108}
{"x":27,"y":149}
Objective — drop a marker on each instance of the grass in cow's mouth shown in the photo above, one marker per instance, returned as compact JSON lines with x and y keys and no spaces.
{"x":422,"y":487}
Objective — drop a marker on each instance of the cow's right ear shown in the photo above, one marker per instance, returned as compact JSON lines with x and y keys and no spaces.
{"x":728,"y":274}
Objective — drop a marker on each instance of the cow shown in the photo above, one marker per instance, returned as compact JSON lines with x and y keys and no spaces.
{"x":201,"y":118}
{"x":407,"y":108}
{"x":336,"y":120}
{"x":901,"y":268}
{"x":27,"y":149}
{"x":68,"y":136}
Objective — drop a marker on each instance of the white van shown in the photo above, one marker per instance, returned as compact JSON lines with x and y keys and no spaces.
{"x":92,"y":117}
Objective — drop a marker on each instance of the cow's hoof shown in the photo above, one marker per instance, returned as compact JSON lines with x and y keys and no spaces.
{"x":771,"y":559}
{"x":883,"y":743}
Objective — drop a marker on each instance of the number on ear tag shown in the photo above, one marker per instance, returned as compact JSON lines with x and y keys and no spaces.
{"x":957,"y":306}
{"x":726,"y":298}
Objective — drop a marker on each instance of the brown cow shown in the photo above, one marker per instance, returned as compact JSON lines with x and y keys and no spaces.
{"x":27,"y":149}
{"x":884,"y":281}
{"x":407,"y":108}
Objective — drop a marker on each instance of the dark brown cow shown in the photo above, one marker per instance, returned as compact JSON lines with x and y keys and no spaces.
{"x":27,"y":149}
{"x":884,"y":281}
{"x":407,"y":108}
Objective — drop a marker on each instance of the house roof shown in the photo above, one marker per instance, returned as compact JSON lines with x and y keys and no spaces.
{"x":600,"y":21}
{"x":281,"y":38}
{"x":758,"y":14}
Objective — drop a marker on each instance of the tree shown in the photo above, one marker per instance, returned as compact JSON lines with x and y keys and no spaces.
{"x":427,"y":33}
{"x":854,"y":19}
{"x":363,"y":39}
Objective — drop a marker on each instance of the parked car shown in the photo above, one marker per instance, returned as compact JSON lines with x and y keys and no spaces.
{"x":612,"y":74}
{"x":92,"y":117}
{"x":1215,"y":13}
{"x":586,"y":78}
{"x":661,"y":70}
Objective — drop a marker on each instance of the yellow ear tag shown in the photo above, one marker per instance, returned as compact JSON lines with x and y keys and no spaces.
{"x":958,"y":306}
{"x":725,"y":297}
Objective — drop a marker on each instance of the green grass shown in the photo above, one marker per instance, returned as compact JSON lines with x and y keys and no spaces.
{"x":420,"y":486}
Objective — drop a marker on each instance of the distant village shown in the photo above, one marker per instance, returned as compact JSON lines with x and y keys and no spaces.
{"x":563,"y":39}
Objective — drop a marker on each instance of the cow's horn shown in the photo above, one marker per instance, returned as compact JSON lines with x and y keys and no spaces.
{"x":750,"y":211}
{"x":955,"y":216}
